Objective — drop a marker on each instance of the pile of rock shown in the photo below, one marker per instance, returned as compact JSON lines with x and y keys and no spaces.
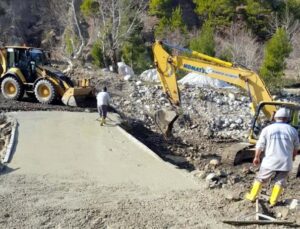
{"x":206,"y":111}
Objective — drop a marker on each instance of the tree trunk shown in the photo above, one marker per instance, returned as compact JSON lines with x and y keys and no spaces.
{"x":114,"y":60}
{"x":113,"y":54}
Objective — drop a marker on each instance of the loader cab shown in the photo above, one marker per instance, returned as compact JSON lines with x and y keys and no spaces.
{"x":39,"y":57}
{"x":26,"y":59}
{"x":260,"y":121}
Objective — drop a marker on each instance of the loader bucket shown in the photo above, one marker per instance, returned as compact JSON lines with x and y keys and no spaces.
{"x":164,"y":119}
{"x":73,"y":96}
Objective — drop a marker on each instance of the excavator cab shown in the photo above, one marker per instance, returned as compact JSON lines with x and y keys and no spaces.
{"x":260,"y":121}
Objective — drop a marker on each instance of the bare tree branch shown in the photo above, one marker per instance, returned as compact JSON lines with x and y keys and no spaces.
{"x":287,"y":21}
{"x":77,"y":54}
{"x":243,"y":48}
{"x":117,"y":20}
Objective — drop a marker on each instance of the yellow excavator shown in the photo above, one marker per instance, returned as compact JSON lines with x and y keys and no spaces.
{"x":262,"y":106}
{"x":28,"y":70}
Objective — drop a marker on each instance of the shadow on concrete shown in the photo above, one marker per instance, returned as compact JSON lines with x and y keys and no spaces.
{"x":6,"y":170}
{"x":157,"y":142}
{"x":109,"y":123}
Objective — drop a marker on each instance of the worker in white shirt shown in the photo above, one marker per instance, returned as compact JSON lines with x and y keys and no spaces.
{"x":280,"y":143}
{"x":103,"y":99}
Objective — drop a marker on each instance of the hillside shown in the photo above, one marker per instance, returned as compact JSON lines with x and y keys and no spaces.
{"x":241,"y":29}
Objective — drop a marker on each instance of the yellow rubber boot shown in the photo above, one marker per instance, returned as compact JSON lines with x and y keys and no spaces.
{"x":102,"y":121}
{"x":276,"y":192}
{"x":254,"y":191}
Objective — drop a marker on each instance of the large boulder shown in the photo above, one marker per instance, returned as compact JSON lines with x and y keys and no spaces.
{"x":124,"y":70}
{"x":150,"y":75}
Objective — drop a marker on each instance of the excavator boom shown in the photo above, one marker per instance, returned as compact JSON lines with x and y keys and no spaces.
{"x":167,"y":65}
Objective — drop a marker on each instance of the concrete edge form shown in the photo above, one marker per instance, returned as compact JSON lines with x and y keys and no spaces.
{"x":10,"y":145}
{"x":186,"y":173}
{"x":140,"y":144}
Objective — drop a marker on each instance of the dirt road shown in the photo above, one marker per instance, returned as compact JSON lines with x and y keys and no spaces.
{"x":67,"y":171}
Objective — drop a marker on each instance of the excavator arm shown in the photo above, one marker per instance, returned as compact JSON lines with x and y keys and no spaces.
{"x":167,"y":66}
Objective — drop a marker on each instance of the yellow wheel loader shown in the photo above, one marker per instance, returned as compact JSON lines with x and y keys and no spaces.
{"x":28,"y":70}
{"x":262,"y":106}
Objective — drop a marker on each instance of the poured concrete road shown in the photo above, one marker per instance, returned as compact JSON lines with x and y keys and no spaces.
{"x":73,"y":146}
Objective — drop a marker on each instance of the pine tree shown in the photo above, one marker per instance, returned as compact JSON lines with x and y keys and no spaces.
{"x":136,"y":54}
{"x":277,"y":50}
{"x":160,"y":8}
{"x":171,"y":24}
{"x":218,"y":11}
{"x":204,"y":43}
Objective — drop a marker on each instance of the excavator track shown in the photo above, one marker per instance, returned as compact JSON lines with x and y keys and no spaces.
{"x":237,"y":153}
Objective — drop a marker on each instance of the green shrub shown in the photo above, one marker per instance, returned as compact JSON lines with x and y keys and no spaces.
{"x":68,"y":42}
{"x":97,"y":54}
{"x":171,"y":24}
{"x":136,"y":54}
{"x":89,"y":7}
{"x":204,"y":43}
{"x":277,"y":50}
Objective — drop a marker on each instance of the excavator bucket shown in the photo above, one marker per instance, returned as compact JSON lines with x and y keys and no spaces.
{"x":75,"y":95}
{"x":164,"y":119}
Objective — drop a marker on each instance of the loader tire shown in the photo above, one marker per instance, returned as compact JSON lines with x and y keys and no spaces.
{"x":12,"y":88}
{"x":45,"y":92}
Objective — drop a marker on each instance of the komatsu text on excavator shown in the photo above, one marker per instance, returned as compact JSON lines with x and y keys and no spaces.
{"x":27,"y":69}
{"x":262,"y":105}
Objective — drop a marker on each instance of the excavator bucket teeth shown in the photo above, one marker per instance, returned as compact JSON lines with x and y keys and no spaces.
{"x":165,"y":119}
{"x":74,"y":96}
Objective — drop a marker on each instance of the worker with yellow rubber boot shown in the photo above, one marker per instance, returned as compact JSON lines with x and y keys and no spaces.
{"x":103,"y":99}
{"x":280,"y":143}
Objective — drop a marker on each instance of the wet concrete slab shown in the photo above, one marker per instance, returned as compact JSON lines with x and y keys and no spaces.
{"x":70,"y":145}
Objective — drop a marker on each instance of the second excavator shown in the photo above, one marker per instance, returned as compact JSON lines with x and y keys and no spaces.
{"x":262,"y":105}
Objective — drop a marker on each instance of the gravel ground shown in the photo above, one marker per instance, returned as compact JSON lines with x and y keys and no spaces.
{"x":192,"y":150}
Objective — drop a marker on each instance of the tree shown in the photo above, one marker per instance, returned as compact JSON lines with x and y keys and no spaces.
{"x":116,"y":20}
{"x":160,"y":8}
{"x":172,"y":28}
{"x":277,"y":50}
{"x":97,"y":55}
{"x":257,"y":15}
{"x":285,"y":20}
{"x":294,"y":6}
{"x":241,"y":47}
{"x":205,"y":42}
{"x":136,"y":54}
{"x":89,"y":7}
{"x":218,"y":11}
